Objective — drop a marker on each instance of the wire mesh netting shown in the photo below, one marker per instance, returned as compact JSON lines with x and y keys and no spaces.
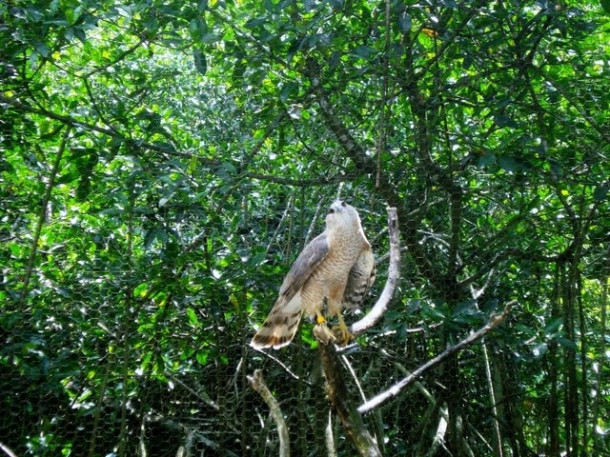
{"x":153,"y":359}
{"x":163,"y":163}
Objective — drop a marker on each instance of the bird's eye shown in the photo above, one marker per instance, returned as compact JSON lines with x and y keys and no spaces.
{"x":343,"y":204}
{"x":330,"y":211}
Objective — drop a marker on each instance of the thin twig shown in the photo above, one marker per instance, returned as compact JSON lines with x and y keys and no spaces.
{"x":279,"y":362}
{"x":7,"y":451}
{"x":279,"y":225}
{"x":203,"y":397}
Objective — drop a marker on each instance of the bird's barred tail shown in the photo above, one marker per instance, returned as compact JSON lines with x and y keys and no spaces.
{"x":278,"y":330}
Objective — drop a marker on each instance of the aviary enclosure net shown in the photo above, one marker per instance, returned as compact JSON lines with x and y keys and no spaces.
{"x":163,"y":163}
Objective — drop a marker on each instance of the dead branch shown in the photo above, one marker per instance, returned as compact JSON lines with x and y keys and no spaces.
{"x":7,"y":450}
{"x":258,"y":383}
{"x":373,"y":316}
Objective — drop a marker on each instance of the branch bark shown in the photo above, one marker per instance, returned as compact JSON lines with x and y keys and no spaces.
{"x":337,"y":393}
{"x":42,"y":215}
{"x":258,"y":383}
{"x":380,"y":307}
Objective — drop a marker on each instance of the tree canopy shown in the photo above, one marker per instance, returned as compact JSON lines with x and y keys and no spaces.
{"x":163,"y":162}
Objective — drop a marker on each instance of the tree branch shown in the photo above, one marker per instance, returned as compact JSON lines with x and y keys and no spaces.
{"x":42,"y":215}
{"x":7,"y":450}
{"x":71,"y":121}
{"x":337,"y":393}
{"x":401,"y":385}
{"x":373,"y":316}
{"x":258,"y":383}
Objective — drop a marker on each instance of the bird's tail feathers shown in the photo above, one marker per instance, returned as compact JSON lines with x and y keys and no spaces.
{"x":279,"y":328}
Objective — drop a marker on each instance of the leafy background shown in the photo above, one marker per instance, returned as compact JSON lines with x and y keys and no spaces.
{"x":163,"y":162}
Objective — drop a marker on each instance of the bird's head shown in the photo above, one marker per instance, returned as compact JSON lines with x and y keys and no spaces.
{"x":341,"y":214}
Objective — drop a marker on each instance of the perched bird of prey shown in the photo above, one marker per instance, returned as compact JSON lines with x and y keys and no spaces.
{"x":334,"y":271}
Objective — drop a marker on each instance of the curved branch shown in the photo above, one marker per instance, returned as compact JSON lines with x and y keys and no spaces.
{"x":258,"y":383}
{"x":373,"y":316}
{"x":7,"y":450}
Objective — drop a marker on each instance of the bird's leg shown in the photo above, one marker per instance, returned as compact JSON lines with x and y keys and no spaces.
{"x":341,"y":331}
{"x":320,"y":319}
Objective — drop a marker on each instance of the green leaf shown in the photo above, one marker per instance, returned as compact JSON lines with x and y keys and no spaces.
{"x":140,"y":290}
{"x":605,"y":5}
{"x":503,"y":120}
{"x":202,"y":357}
{"x":552,"y":327}
{"x":192,"y":317}
{"x":365,"y":51}
{"x":507,"y":163}
{"x":486,"y":159}
{"x":42,"y":49}
{"x":566,"y":343}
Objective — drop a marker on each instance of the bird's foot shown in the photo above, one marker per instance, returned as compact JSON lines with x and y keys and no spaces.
{"x":321,"y":330}
{"x":323,"y":334}
{"x":341,"y":333}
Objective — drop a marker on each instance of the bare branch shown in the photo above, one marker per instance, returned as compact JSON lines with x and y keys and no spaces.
{"x":279,"y":362}
{"x":373,"y":316}
{"x":401,"y":385}
{"x":7,"y":451}
{"x":258,"y":383}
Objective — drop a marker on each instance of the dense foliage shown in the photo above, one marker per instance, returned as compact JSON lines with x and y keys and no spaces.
{"x":162,"y":163}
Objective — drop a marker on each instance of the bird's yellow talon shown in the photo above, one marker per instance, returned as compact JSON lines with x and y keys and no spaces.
{"x":342,"y":333}
{"x":320,"y":319}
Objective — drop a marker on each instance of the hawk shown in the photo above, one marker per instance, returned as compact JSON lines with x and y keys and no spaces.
{"x":334,"y":271}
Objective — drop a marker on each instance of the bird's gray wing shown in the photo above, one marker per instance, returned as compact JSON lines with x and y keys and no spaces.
{"x":305,"y":264}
